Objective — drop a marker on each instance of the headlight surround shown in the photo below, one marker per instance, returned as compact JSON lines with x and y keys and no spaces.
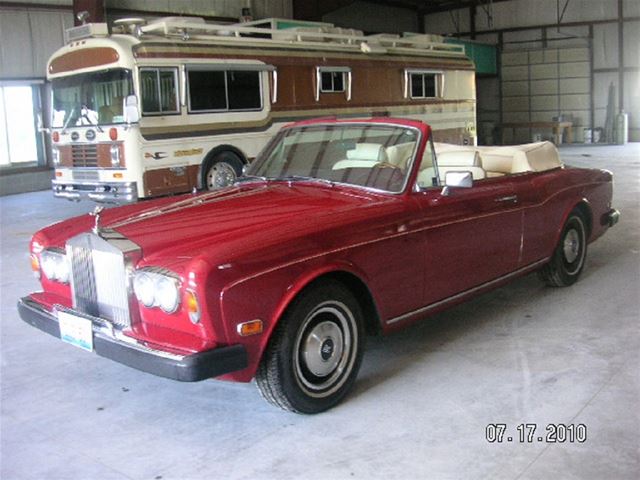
{"x":55,"y":266}
{"x":55,"y":156}
{"x":155,"y":289}
{"x":144,"y":288}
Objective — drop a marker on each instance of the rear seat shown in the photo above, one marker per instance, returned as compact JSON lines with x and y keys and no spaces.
{"x":498,"y":161}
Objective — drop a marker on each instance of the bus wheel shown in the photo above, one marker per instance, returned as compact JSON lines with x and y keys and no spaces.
{"x":221,"y":171}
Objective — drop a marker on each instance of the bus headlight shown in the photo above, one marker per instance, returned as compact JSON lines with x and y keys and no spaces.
{"x":115,"y":155}
{"x":157,"y":290}
{"x":55,"y":156}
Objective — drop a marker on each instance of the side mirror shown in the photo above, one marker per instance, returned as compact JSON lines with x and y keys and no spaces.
{"x":130,"y":109}
{"x":458,"y":180}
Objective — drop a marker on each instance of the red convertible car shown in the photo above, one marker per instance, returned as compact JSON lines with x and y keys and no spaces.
{"x":339,"y":229}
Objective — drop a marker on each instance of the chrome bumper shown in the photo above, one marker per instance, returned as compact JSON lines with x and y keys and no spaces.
{"x":110,"y":343}
{"x":124,"y":192}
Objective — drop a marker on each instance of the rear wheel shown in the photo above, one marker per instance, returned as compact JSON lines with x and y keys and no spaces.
{"x":568,"y":258}
{"x":315,"y":352}
{"x":221,"y":171}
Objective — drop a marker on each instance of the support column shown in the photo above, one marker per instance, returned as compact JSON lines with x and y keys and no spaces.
{"x":620,"y":57}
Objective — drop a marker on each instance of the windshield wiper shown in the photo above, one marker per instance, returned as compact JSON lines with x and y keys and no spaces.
{"x":301,"y":178}
{"x":66,"y":124}
{"x":251,"y":178}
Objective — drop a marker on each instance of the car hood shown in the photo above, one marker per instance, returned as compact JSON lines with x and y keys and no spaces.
{"x":236,"y":220}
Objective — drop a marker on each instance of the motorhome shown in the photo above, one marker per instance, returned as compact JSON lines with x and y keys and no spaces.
{"x":143,"y":109}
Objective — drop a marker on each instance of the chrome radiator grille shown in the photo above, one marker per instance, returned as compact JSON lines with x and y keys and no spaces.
{"x":99,"y":279}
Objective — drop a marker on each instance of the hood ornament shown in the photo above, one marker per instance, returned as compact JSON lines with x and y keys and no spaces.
{"x":96,"y":213}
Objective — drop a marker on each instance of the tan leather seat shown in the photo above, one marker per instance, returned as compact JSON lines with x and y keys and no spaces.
{"x":467,"y":160}
{"x":399,"y":155}
{"x":365,"y":155}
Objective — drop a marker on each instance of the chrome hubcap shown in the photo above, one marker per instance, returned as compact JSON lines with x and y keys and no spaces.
{"x":571,"y":247}
{"x":325,"y":348}
{"x":220,"y":175}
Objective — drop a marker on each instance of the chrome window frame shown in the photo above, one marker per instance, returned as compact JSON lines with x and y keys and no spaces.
{"x":408,"y":83}
{"x":347,"y":81}
{"x":176,"y":82}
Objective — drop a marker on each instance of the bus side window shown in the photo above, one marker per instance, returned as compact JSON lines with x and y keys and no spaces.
{"x":224,"y":90}
{"x":159,"y":91}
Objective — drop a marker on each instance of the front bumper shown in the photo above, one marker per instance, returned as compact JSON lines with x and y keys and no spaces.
{"x":106,"y":343}
{"x":122,"y":192}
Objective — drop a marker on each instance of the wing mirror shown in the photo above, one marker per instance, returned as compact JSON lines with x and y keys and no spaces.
{"x":456,"y":180}
{"x":130,"y":109}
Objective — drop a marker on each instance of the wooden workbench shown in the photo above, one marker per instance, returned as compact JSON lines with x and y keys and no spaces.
{"x":557,"y":127}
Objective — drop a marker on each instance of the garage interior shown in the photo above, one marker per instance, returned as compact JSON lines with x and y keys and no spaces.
{"x":521,"y":354}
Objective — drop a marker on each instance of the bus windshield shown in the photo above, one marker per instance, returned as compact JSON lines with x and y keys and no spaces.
{"x":94,"y":98}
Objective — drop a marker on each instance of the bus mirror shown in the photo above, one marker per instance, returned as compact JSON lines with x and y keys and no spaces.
{"x":131,"y":114}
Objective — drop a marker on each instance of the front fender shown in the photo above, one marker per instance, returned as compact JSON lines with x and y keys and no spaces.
{"x":267,"y":296}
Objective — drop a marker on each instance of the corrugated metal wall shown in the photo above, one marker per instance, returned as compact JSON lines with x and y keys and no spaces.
{"x":589,"y":14}
{"x":27,"y":40}
{"x":30,"y":34}
{"x":538,"y":85}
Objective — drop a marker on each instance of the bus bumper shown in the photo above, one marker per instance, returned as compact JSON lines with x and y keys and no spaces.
{"x":103,"y":192}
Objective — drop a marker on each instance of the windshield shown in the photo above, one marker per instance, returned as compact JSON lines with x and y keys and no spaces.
{"x":370,"y":155}
{"x":91,"y":98}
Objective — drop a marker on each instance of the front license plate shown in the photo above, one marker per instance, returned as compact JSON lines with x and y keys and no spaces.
{"x":76,"y":330}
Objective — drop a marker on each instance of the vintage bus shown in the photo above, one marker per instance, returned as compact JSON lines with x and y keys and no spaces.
{"x":148,"y":109}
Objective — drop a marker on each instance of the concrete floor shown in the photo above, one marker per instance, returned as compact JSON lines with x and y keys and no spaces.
{"x":521,"y":354}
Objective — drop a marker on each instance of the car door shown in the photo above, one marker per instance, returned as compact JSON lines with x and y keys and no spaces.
{"x":471,"y":236}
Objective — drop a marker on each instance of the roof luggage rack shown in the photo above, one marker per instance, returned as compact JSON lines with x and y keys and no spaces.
{"x":312,"y":35}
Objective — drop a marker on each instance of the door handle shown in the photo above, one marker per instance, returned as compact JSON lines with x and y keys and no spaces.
{"x":510,"y":198}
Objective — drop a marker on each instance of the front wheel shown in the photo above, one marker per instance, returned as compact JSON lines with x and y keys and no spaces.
{"x":221,"y":171}
{"x":568,"y":258}
{"x":314,"y":355}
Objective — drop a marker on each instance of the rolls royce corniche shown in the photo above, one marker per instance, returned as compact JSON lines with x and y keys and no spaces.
{"x":338,"y":230}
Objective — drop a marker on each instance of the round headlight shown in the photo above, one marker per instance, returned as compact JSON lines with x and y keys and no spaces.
{"x":144,"y":289}
{"x":167,"y":295}
{"x":61,"y":269}
{"x":48,"y":262}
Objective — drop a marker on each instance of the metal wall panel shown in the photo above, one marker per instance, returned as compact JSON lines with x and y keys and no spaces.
{"x":551,"y":82}
{"x":27,"y":40}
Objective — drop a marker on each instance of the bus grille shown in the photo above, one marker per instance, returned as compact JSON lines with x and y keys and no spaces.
{"x":84,"y":155}
{"x":99,"y":279}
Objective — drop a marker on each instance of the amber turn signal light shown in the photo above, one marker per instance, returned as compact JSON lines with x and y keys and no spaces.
{"x":192,"y":306}
{"x":254,"y":327}
{"x":35,"y":265}
{"x":55,"y":136}
{"x":117,"y":175}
